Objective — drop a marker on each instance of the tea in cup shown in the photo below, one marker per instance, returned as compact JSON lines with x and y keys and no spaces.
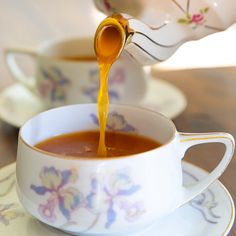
{"x":121,"y":193}
{"x":67,"y":73}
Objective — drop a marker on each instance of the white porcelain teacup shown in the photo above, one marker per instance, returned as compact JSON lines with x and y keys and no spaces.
{"x":67,"y":73}
{"x":106,"y":196}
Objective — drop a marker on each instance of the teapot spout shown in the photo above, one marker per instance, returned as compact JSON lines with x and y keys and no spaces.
{"x":141,"y":42}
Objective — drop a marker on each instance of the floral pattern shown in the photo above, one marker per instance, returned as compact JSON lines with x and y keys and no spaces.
{"x":116,"y":122}
{"x":113,"y":190}
{"x":205,"y":203}
{"x":9,"y":183}
{"x":195,"y":19}
{"x":54,"y":84}
{"x":9,"y":212}
{"x":66,"y":198}
{"x":115,"y":79}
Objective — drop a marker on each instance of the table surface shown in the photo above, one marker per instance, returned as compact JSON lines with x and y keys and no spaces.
{"x":210,"y":93}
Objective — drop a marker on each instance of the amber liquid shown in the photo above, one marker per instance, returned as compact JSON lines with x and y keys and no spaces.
{"x":77,"y":58}
{"x":108,"y":47}
{"x":85,"y":144}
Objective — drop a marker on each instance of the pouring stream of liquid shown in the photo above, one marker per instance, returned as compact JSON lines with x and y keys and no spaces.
{"x":108,"y":44}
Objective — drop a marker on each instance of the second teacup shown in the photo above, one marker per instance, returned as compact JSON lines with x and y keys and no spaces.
{"x":67,"y":73}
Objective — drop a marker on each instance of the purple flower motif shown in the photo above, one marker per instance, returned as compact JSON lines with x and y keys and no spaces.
{"x":115,"y":79}
{"x":112,"y":191}
{"x":54,"y":182}
{"x":47,"y":210}
{"x":116,"y":122}
{"x":109,"y":192}
{"x":54,"y":85}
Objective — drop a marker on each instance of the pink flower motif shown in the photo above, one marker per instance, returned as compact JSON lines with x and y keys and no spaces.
{"x":118,"y":77}
{"x":197,"y":18}
{"x":47,"y":210}
{"x":133,"y":211}
{"x":45,"y":89}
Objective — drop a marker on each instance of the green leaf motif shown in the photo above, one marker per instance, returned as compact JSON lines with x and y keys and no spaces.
{"x":206,"y":9}
{"x":184,"y":21}
{"x":189,"y":17}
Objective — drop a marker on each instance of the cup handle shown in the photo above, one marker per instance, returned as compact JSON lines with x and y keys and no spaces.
{"x":15,"y":69}
{"x":188,"y":140}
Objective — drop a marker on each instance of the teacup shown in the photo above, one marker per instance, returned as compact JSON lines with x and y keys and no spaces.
{"x":67,"y":73}
{"x":113,"y":195}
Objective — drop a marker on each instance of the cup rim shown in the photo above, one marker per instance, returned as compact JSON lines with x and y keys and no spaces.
{"x":69,"y":158}
{"x":42,"y":48}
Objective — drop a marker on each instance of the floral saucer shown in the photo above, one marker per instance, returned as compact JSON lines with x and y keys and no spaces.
{"x":211,"y":213}
{"x":18,"y":104}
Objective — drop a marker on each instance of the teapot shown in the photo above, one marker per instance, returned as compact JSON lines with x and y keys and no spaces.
{"x":152,"y":30}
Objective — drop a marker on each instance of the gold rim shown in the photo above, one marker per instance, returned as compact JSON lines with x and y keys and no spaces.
{"x":231,"y":221}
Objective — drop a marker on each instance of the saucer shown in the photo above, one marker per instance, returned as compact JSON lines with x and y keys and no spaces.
{"x":18,"y":104}
{"x":164,"y":97}
{"x":210,"y":213}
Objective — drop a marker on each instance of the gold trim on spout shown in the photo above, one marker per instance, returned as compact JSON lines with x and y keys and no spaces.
{"x":118,"y":22}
